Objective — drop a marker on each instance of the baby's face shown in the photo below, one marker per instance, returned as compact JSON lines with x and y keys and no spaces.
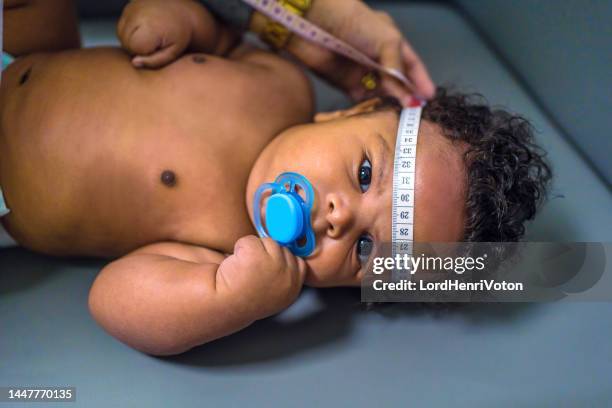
{"x":348,"y":158}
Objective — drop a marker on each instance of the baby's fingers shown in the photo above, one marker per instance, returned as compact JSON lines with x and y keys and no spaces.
{"x":159,"y":58}
{"x":142,"y":39}
{"x":301,"y":270}
{"x":296,"y":266}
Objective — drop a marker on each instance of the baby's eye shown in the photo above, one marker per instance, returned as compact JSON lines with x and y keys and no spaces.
{"x":364,"y":248}
{"x":365,"y":175}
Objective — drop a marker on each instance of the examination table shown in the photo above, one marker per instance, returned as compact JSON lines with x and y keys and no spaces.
{"x":328,"y":350}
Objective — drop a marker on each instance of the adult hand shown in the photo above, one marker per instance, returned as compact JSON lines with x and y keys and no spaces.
{"x":375,"y":34}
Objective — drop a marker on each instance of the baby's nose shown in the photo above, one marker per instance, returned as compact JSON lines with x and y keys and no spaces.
{"x":335,"y":216}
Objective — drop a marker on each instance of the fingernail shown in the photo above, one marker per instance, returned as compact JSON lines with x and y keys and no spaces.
{"x":414,"y":102}
{"x":409,"y":102}
{"x":422,"y":101}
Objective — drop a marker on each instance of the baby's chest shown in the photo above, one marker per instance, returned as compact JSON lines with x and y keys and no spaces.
{"x":207,"y":196}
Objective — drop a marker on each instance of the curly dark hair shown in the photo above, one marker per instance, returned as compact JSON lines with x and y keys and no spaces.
{"x":508,"y":175}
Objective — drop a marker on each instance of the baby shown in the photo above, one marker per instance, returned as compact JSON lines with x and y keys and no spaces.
{"x":159,"y":167}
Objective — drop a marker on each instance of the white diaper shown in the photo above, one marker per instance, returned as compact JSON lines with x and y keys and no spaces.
{"x":6,"y":240}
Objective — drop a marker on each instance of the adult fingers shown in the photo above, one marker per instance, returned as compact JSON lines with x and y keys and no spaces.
{"x":391,"y":57}
{"x":417,"y":73}
{"x":334,"y":68}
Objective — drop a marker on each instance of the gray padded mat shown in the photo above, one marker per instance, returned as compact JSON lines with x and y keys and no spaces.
{"x":327,"y":350}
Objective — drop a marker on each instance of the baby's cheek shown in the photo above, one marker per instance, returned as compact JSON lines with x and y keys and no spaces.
{"x":324,"y":270}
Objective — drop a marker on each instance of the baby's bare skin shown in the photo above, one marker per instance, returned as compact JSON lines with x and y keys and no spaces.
{"x":98,"y":158}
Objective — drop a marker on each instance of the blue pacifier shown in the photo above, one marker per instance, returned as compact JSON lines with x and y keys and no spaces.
{"x":287,"y":213}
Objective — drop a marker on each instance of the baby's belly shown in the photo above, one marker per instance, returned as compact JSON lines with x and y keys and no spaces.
{"x":82,"y":165}
{"x":108,"y":169}
{"x":113,"y":203}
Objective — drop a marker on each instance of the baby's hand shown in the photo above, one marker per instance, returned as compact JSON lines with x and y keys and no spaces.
{"x":155,"y":32}
{"x":264,"y":275}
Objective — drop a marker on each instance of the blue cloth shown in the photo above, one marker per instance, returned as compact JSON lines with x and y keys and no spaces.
{"x":5,"y":239}
{"x":3,"y":208}
{"x":7,"y":59}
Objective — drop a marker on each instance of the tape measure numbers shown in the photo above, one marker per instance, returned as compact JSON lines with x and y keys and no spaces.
{"x":407,"y":134}
{"x":404,"y":175}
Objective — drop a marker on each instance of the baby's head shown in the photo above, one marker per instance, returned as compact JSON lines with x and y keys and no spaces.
{"x":479,"y":177}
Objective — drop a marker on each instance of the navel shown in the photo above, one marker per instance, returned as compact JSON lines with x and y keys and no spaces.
{"x":168,"y":178}
{"x":198,"y":59}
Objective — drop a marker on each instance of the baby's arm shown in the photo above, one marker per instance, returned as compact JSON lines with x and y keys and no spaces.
{"x":35,"y":26}
{"x":156,"y":32}
{"x":167,"y":298}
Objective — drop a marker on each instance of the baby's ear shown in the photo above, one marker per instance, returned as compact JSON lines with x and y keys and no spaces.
{"x":369,"y":105}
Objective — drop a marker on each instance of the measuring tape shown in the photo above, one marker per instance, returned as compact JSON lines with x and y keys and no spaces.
{"x":404,"y":168}
{"x":407,"y":134}
{"x":317,"y":35}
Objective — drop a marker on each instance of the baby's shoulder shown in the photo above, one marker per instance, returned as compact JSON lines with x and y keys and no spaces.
{"x":285,"y":81}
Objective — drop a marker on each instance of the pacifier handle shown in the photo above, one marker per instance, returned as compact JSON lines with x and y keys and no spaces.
{"x":287,"y":213}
